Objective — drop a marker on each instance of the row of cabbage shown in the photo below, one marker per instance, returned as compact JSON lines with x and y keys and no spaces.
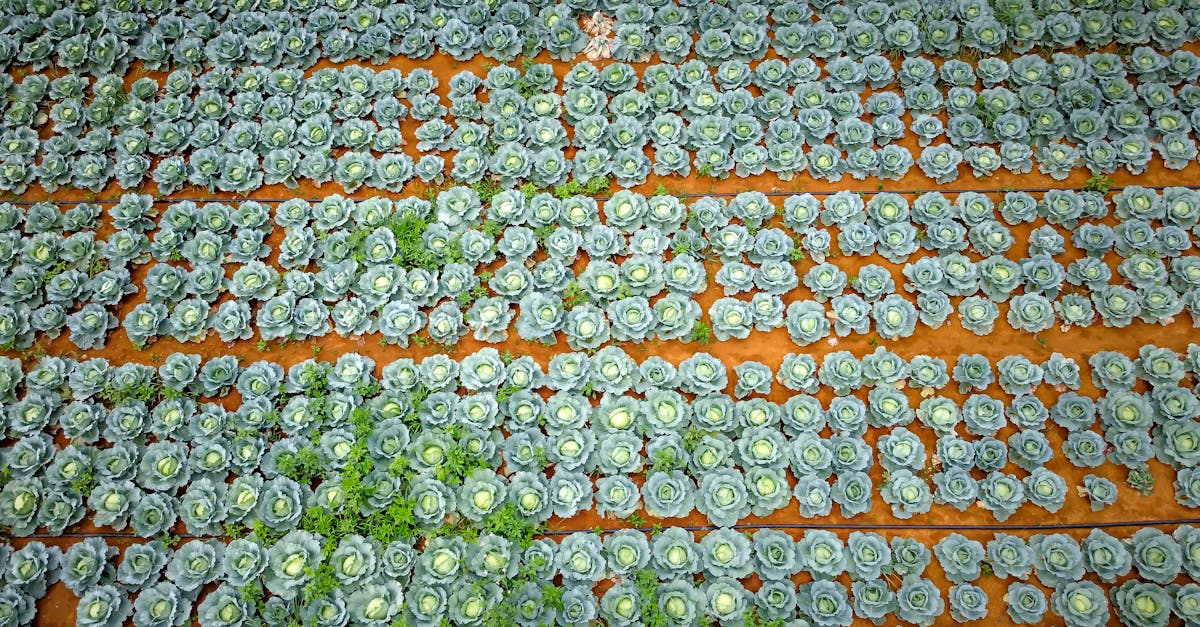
{"x":237,"y":130}
{"x":107,"y":38}
{"x":454,"y":266}
{"x":672,"y":577}
{"x":293,"y":442}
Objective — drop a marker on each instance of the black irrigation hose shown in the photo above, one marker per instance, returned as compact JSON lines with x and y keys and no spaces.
{"x":839,"y":526}
{"x":938,"y":188}
{"x":919,"y":526}
{"x":52,"y":536}
{"x":1039,"y":190}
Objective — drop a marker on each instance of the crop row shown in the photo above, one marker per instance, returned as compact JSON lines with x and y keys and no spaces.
{"x":329,"y":439}
{"x":279,"y":33}
{"x":454,"y":266}
{"x":672,"y":577}
{"x":239,"y":130}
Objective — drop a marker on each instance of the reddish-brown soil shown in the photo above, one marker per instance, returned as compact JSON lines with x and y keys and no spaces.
{"x":947,"y":343}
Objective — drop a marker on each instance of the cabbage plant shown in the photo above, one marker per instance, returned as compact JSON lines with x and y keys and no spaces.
{"x":907,"y":493}
{"x":1080,"y":603}
{"x":723,"y":497}
{"x":918,"y":601}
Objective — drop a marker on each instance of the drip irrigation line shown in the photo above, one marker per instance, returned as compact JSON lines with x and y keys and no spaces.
{"x":780,"y":194}
{"x":51,"y":536}
{"x":800,"y":526}
{"x":944,"y":190}
{"x":916,"y":526}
